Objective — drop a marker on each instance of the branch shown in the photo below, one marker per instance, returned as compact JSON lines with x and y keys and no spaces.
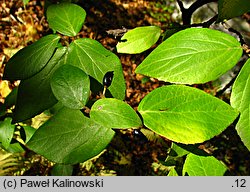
{"x":187,"y":13}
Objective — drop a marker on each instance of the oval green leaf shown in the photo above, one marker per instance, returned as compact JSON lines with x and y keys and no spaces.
{"x":66,"y":18}
{"x":31,"y":59}
{"x":71,"y":86}
{"x":195,"y":55}
{"x":138,"y":40}
{"x":185,"y":114}
{"x":69,"y":138}
{"x":35,"y":94}
{"x":114,"y":113}
{"x":90,"y":56}
{"x":228,"y":9}
{"x":240,"y":101}
{"x":196,"y":165}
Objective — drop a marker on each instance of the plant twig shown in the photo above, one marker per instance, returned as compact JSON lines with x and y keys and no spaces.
{"x":187,"y":13}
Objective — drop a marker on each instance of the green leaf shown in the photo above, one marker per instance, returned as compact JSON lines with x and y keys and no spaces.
{"x":66,"y":18}
{"x":177,"y":151}
{"x":172,"y":172}
{"x":196,"y":165}
{"x":6,"y":132}
{"x":10,"y":100}
{"x":31,"y":59}
{"x":69,"y":138}
{"x":35,"y":94}
{"x":185,"y":114}
{"x":114,"y":113}
{"x":90,"y":56}
{"x":25,"y":2}
{"x":62,"y":170}
{"x":138,"y":40}
{"x":228,"y":9}
{"x":15,"y":148}
{"x":240,"y":101}
{"x":71,"y":86}
{"x":194,"y":55}
{"x":29,"y":132}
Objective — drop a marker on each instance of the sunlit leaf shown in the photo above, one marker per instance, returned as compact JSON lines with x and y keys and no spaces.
{"x":185,"y":114}
{"x":139,"y":39}
{"x":240,"y":100}
{"x":196,"y":165}
{"x":194,"y":55}
{"x":115,"y":114}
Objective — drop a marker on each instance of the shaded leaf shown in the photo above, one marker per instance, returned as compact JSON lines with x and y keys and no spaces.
{"x":71,"y":86}
{"x":35,"y":94}
{"x":29,"y":132}
{"x":10,"y":100}
{"x":240,"y":101}
{"x":69,"y":138}
{"x":196,"y":165}
{"x":228,"y":9}
{"x":194,"y":55}
{"x":15,"y":148}
{"x":31,"y":59}
{"x":177,"y":151}
{"x":139,"y":39}
{"x":90,"y":56}
{"x":114,"y":113}
{"x":185,"y":114}
{"x":62,"y":170}
{"x":66,"y":18}
{"x":6,"y":132}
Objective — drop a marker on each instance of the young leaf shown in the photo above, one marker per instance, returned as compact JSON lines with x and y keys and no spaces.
{"x":185,"y":114}
{"x":228,"y":9}
{"x":240,"y":101}
{"x":66,"y":18}
{"x":138,"y":40}
{"x":35,"y":94}
{"x":6,"y":132}
{"x":90,"y":56}
{"x":71,"y":86}
{"x":114,"y":113}
{"x":69,"y":138}
{"x":194,"y":55}
{"x":31,"y":59}
{"x":62,"y":170}
{"x":196,"y":165}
